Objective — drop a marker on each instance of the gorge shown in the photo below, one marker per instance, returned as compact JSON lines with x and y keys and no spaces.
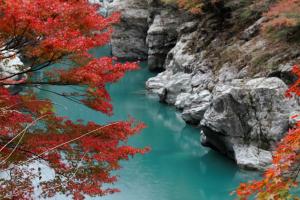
{"x":150,"y":99}
{"x":177,"y":167}
{"x":218,"y":70}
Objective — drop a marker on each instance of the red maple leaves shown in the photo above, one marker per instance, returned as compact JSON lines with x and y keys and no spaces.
{"x":47,"y":32}
{"x":95,"y":78}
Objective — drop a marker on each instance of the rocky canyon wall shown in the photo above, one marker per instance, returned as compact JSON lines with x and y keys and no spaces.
{"x":218,"y":70}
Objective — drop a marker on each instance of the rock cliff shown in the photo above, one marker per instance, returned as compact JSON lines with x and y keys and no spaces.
{"x":218,"y":70}
{"x":129,"y":37}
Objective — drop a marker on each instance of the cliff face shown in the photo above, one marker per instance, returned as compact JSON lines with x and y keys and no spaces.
{"x":129,"y":37}
{"x":220,"y":72}
{"x":147,"y":30}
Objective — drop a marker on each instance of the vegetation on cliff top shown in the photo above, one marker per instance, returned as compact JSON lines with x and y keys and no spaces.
{"x":283,"y":15}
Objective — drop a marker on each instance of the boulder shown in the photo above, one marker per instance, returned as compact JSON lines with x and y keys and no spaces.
{"x":202,"y":80}
{"x":247,"y":118}
{"x":252,"y":157}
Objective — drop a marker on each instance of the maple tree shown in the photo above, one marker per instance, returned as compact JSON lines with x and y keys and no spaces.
{"x":82,"y":155}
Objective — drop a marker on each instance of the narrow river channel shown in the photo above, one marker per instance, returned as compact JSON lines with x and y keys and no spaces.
{"x":178,"y":167}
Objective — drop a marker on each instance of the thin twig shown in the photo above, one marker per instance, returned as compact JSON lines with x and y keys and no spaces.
{"x":23,"y":131}
{"x":60,"y":145}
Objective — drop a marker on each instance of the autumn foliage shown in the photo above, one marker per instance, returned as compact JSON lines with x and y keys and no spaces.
{"x":82,"y":155}
{"x":284,"y":13}
{"x":281,"y":13}
{"x":194,"y":6}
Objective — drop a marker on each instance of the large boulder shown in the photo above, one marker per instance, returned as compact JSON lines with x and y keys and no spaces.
{"x":247,"y":118}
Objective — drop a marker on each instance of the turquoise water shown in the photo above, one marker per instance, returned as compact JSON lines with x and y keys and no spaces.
{"x":178,"y":167}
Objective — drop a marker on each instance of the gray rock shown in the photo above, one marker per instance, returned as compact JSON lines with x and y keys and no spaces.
{"x":162,"y":35}
{"x":185,"y":100}
{"x":188,"y":27}
{"x":129,"y":36}
{"x":148,"y":30}
{"x":179,"y":83}
{"x":193,"y":105}
{"x":157,"y":84}
{"x":195,"y":114}
{"x":284,"y":72}
{"x":171,"y":84}
{"x":12,"y":66}
{"x":227,"y":73}
{"x":203,"y":81}
{"x":247,"y":114}
{"x":251,"y":157}
{"x":179,"y":59}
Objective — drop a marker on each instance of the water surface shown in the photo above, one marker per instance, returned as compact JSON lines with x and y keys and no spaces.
{"x":178,"y":167}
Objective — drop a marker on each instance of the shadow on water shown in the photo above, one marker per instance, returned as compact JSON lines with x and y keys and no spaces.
{"x":178,"y":167}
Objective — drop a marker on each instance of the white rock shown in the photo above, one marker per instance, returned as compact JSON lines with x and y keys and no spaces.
{"x":195,"y":114}
{"x":244,"y":113}
{"x":251,"y":157}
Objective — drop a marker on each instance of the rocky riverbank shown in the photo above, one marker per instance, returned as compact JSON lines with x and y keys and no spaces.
{"x":218,"y":69}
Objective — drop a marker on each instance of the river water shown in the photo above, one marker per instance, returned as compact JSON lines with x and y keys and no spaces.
{"x":178,"y":167}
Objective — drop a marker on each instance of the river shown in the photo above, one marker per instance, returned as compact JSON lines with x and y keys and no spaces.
{"x":178,"y":167}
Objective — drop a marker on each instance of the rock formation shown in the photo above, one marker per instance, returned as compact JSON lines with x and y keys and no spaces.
{"x":222,"y":74}
{"x":247,"y":118}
